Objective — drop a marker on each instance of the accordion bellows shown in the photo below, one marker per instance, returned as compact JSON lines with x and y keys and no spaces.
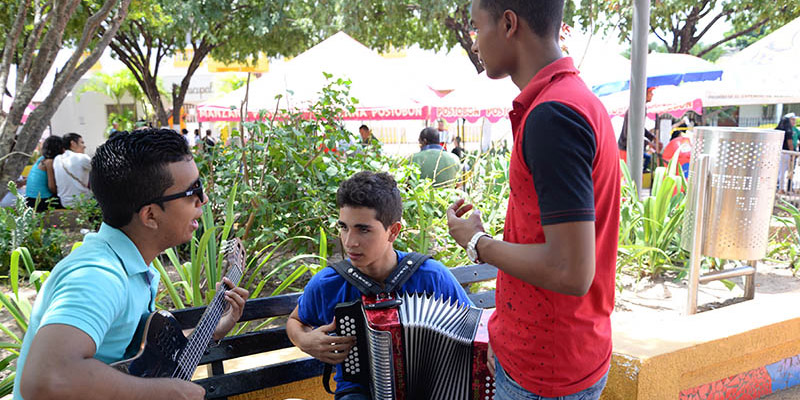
{"x":416,"y":346}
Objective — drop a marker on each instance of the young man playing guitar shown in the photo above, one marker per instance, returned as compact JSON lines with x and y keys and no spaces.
{"x":87,"y":313}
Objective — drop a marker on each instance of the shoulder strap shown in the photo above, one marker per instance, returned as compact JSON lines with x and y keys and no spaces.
{"x":73,"y":176}
{"x":362,"y":282}
{"x":326,"y":377}
{"x":405,"y":268}
{"x":367,"y":286}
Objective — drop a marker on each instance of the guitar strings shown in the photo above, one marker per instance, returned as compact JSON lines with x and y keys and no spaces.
{"x":212,"y":314}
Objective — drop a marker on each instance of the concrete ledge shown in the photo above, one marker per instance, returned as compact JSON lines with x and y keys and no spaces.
{"x":743,"y":351}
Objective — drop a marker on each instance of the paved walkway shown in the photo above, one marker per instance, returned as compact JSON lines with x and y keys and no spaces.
{"x":793,"y":393}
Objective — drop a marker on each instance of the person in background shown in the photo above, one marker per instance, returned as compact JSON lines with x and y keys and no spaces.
{"x":444,"y":134}
{"x":41,"y":191}
{"x":72,"y":170}
{"x":786,"y":125}
{"x":435,"y":163}
{"x":208,"y":141}
{"x":197,"y":138}
{"x":185,"y":134}
{"x":650,"y":140}
{"x":367,"y":138}
{"x":458,"y":150}
{"x":368,"y":143}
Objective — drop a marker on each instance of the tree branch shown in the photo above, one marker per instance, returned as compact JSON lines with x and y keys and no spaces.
{"x":652,"y":29}
{"x":92,"y":25}
{"x":713,"y":21}
{"x":707,"y":11}
{"x":734,"y":36}
{"x":11,"y":46}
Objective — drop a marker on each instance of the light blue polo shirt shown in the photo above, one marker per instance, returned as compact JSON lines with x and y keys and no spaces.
{"x":102,"y":288}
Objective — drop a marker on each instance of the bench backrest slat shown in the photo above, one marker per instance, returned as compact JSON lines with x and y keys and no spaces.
{"x":258,"y":378}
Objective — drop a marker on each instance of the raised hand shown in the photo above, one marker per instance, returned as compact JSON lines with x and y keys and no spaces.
{"x":462,"y":229}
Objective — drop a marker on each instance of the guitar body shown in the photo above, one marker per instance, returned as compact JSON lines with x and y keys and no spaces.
{"x":162,"y":344}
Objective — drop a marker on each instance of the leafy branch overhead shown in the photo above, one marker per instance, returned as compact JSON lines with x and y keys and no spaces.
{"x":682,"y":25}
{"x":228,"y":31}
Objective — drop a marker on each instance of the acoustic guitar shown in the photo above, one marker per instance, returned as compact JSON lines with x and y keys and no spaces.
{"x":165,"y":352}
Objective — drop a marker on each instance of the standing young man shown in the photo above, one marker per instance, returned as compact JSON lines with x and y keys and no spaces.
{"x":370,"y":209}
{"x":551,"y":332}
{"x":87,"y":312}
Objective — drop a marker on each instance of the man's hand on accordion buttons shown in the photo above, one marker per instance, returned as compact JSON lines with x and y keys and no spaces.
{"x":326,"y":348}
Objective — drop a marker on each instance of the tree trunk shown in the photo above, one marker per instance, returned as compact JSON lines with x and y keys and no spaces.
{"x":459,"y":23}
{"x":179,"y":92}
{"x":176,"y":109}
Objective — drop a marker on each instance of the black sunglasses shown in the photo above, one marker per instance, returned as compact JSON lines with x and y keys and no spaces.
{"x":197,"y":189}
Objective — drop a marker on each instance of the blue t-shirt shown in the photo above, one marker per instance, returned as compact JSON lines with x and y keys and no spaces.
{"x":327,"y":289}
{"x":36,"y":185}
{"x":103,"y":288}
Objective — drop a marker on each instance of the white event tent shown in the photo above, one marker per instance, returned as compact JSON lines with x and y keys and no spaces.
{"x":382,"y":94}
{"x":766,"y":72}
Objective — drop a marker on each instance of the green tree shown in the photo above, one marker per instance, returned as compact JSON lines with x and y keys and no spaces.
{"x":34,"y":32}
{"x":114,"y":86}
{"x":228,"y":31}
{"x":681,"y":24}
{"x":379,"y":24}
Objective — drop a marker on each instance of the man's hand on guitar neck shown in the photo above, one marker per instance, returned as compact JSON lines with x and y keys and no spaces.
{"x":236,"y":299}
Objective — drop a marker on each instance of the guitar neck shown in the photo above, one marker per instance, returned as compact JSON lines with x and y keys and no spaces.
{"x":201,"y":336}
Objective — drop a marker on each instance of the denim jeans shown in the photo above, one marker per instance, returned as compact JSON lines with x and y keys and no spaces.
{"x":508,"y":389}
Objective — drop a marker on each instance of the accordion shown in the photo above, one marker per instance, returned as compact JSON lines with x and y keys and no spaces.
{"x":415,"y":346}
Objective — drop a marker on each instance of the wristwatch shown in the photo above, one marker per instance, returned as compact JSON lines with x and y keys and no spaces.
{"x":472,"y":252}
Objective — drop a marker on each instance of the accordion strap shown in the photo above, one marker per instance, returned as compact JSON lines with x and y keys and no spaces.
{"x":367,"y":286}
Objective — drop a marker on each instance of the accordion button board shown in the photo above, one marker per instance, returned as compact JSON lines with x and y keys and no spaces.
{"x":416,"y":346}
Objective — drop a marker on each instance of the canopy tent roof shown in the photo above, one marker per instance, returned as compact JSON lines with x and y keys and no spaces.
{"x":766,"y":72}
{"x":477,"y":98}
{"x":673,"y":100}
{"x":380,"y":92}
{"x":663,"y":69}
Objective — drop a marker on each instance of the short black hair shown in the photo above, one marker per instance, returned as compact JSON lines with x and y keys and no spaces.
{"x":131,"y":169}
{"x":52,"y":146}
{"x":377,"y":191}
{"x":363,"y":127}
{"x":69,"y":138}
{"x":542,"y":16}
{"x":184,"y":131}
{"x":430,"y":135}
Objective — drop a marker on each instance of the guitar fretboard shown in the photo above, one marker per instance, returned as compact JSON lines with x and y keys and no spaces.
{"x":199,"y":339}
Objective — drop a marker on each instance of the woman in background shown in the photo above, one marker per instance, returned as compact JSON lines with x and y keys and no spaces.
{"x":40,"y":191}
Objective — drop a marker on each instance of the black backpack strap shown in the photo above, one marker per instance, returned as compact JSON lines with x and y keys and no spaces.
{"x":362,"y":282}
{"x":405,"y":268}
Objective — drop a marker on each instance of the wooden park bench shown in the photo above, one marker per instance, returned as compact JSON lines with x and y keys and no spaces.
{"x":221,"y":385}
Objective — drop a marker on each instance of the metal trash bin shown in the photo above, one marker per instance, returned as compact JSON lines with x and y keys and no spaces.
{"x":743,"y":175}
